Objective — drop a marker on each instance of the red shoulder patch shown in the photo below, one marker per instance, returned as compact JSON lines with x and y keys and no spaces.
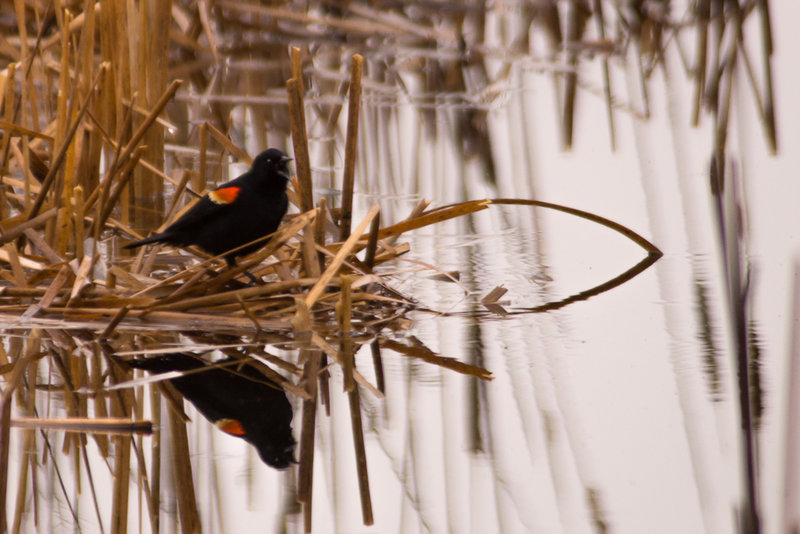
{"x":230,"y":426}
{"x":226,"y":195}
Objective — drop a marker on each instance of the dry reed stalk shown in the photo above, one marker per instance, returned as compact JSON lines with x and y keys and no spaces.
{"x":372,"y":243}
{"x":361,"y":456}
{"x":29,"y":462}
{"x":319,"y":230}
{"x":180,"y":187}
{"x":155,"y":462}
{"x":310,"y":258}
{"x":597,"y":6}
{"x":432,"y":217}
{"x":769,"y":92}
{"x":20,"y":359}
{"x":295,"y":88}
{"x":11,"y":255}
{"x":9,"y":96}
{"x":12,"y":128}
{"x":249,"y":314}
{"x":63,"y":90}
{"x":351,"y":138}
{"x":21,"y":292}
{"x":333,"y":354}
{"x":225,"y":141}
{"x":28,"y":444}
{"x":608,"y":223}
{"x":730,"y":228}
{"x":701,"y":15}
{"x":121,"y":162}
{"x":126,"y":172}
{"x":96,"y":378}
{"x":274,"y":377}
{"x":343,"y":316}
{"x":30,"y":174}
{"x":577,"y":14}
{"x":86,"y":425}
{"x":348,"y":25}
{"x":39,"y":242}
{"x":199,"y":182}
{"x":55,"y":165}
{"x":35,"y":222}
{"x":396,"y":23}
{"x":51,"y":293}
{"x":74,"y":25}
{"x":187,"y":321}
{"x":78,"y":213}
{"x":82,"y":278}
{"x":108,"y":330}
{"x":301,"y":323}
{"x":337,"y":260}
{"x":184,"y":290}
{"x":99,"y":195}
{"x":5,"y":443}
{"x":429,"y":356}
{"x":102,"y":134}
{"x":182,"y":473}
{"x":346,"y":359}
{"x":377,"y":363}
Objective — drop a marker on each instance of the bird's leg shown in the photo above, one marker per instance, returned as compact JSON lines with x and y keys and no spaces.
{"x":231,"y":261}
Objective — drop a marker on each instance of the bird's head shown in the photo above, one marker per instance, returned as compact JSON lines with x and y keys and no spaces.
{"x":273,"y":160}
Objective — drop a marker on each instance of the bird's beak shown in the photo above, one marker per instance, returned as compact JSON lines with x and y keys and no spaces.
{"x":286,"y":159}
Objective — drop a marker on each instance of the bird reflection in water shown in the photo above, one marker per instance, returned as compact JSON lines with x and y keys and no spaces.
{"x":237,"y":398}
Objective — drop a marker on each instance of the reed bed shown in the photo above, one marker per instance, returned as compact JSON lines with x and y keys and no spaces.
{"x":315,"y":296}
{"x":116,"y":116}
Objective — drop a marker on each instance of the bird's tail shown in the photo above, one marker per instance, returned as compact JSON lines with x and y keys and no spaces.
{"x":155,"y":238}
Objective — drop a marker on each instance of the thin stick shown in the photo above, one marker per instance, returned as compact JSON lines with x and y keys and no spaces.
{"x":107,"y":425}
{"x":361,"y":456}
{"x":6,"y":398}
{"x":353,"y":108}
{"x":297,"y":119}
{"x":34,"y":222}
{"x":343,"y":315}
{"x":608,"y":223}
{"x":123,"y":311}
{"x":302,"y":326}
{"x":200,"y":183}
{"x":319,"y":231}
{"x":182,"y":471}
{"x":225,"y":141}
{"x":372,"y":244}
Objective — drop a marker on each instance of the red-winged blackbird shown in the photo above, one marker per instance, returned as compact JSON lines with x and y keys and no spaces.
{"x":235,"y":213}
{"x":237,"y":398}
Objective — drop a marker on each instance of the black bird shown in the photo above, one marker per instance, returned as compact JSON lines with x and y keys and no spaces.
{"x":235,"y":213}
{"x":237,"y":398}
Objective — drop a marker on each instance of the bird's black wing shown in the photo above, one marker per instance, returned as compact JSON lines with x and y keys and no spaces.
{"x":213,"y":204}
